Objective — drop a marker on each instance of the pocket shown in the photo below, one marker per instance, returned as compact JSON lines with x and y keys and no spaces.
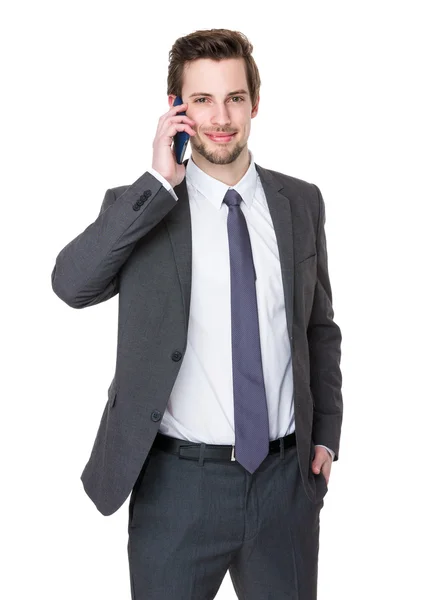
{"x":306,"y":260}
{"x":324,"y":479}
{"x":321,"y":487}
{"x":135,"y":490}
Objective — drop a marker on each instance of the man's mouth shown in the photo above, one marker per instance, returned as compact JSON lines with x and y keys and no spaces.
{"x":220,"y":138}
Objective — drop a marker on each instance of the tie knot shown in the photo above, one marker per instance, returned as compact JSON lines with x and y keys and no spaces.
{"x":232,"y":198}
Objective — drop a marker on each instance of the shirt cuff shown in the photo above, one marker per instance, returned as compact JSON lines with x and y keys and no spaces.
{"x":163,"y":181}
{"x":332,"y":454}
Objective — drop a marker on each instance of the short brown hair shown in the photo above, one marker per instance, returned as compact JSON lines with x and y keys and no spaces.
{"x":216,"y":44}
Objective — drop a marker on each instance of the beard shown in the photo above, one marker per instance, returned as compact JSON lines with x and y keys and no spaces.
{"x":219,"y":156}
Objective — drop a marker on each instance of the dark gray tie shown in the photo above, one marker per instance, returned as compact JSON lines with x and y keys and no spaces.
{"x":250,"y":404}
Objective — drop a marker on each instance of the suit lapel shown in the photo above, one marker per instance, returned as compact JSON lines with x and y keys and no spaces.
{"x":178,"y":222}
{"x":280,"y":211}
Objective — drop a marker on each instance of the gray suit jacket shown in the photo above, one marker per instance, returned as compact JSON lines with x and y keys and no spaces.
{"x":140,"y":247}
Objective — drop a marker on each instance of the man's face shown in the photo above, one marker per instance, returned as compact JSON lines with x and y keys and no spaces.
{"x":221,"y":111}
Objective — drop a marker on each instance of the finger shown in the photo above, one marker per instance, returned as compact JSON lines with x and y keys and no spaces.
{"x":174,"y":109}
{"x":326,"y":470}
{"x":180,"y":119}
{"x":175,"y":127}
{"x":171,"y":120}
{"x":178,"y":107}
{"x":317,"y":465}
{"x":168,"y":135}
{"x":172,"y":112}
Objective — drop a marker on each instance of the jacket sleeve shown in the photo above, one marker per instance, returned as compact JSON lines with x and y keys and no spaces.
{"x":86,"y":269}
{"x":324,"y":338}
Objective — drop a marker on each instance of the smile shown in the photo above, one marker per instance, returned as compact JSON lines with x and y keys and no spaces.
{"x":220,"y":139}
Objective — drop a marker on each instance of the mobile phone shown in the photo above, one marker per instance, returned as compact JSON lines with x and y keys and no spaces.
{"x":180,"y":140}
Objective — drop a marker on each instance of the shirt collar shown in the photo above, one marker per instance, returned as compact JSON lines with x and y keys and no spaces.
{"x":214,"y":190}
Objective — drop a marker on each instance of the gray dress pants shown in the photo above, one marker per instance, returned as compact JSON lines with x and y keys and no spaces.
{"x":189,"y":523}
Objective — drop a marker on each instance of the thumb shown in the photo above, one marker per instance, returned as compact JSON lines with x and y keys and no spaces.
{"x":316,"y":467}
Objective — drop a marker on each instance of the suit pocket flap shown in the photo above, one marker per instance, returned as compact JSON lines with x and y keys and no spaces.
{"x":306,"y":259}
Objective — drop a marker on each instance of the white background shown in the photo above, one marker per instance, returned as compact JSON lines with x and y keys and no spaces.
{"x":346,"y":103}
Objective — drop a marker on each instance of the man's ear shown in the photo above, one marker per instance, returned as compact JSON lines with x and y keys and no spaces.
{"x":171,"y":99}
{"x":255,"y":108}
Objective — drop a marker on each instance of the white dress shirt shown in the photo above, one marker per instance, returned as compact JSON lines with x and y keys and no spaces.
{"x":201,"y":404}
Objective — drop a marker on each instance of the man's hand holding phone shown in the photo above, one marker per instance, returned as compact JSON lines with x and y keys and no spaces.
{"x":164,"y":158}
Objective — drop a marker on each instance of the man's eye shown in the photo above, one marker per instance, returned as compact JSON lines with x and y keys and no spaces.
{"x":232,"y":97}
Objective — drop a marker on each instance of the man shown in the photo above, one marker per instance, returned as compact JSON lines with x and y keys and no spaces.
{"x":225,"y":410}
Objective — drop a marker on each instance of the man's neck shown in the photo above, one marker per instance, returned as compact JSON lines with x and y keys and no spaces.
{"x":229,"y":174}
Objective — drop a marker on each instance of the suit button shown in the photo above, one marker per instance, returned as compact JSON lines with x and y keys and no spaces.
{"x":136,"y":207}
{"x":155,"y":415}
{"x":176,"y":355}
{"x":140,"y":201}
{"x":147,"y":193}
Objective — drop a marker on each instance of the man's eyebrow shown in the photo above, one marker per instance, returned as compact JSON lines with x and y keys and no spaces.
{"x":211,"y":96}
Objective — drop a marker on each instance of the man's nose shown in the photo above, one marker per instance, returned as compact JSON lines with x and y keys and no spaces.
{"x":221,"y":115}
